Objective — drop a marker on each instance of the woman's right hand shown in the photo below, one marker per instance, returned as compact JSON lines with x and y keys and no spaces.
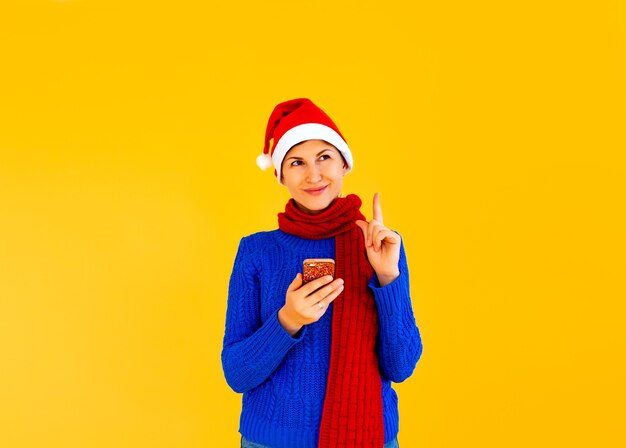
{"x":304,"y":305}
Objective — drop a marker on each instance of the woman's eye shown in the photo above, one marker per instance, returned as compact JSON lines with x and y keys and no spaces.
{"x":296,"y":163}
{"x":325,"y":156}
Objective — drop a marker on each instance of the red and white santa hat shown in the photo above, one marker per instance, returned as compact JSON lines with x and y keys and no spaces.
{"x":293,"y":122}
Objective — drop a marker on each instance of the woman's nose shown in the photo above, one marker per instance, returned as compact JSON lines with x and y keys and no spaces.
{"x":313,"y":173}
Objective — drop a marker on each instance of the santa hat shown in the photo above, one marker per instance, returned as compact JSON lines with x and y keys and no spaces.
{"x":293,"y":122}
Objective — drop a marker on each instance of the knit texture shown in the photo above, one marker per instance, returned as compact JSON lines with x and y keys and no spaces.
{"x":283,"y":378}
{"x":353,"y":414}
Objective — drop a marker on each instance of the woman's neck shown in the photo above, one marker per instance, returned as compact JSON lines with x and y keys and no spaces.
{"x":303,"y":209}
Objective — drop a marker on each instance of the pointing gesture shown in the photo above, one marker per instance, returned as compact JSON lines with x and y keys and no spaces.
{"x":382,"y":245}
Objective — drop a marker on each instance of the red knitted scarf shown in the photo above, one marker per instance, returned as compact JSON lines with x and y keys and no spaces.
{"x":353,"y":413}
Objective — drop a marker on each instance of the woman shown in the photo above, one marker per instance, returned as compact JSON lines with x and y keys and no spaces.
{"x":315,"y":360}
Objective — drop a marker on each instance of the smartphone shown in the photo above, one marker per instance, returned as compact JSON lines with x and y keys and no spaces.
{"x":313,"y":268}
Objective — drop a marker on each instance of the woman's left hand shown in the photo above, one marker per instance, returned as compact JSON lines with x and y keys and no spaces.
{"x":382,"y":245}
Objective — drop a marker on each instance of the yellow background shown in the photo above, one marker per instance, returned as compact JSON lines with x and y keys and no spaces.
{"x":128,"y":136}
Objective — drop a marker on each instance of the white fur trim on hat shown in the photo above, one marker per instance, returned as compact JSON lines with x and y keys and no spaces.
{"x":309,"y":131}
{"x":264,"y":161}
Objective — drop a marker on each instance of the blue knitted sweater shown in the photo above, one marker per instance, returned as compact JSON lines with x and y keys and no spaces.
{"x":283,"y":378}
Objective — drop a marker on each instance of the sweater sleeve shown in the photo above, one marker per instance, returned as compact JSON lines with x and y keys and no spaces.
{"x":399,"y":341}
{"x":251,"y":349}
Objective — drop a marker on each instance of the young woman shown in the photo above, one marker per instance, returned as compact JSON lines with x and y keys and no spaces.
{"x":315,"y":360}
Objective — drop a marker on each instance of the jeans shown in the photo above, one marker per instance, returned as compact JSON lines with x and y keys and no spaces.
{"x":247,"y":444}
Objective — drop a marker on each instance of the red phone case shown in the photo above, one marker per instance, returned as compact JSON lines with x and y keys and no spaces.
{"x":313,"y":268}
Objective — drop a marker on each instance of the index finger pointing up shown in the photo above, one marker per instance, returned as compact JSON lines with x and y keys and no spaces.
{"x":378,"y":212}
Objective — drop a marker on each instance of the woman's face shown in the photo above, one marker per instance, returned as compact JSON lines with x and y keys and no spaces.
{"x":313,"y":173}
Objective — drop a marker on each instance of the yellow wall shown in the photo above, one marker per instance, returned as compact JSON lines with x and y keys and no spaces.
{"x":128,"y":136}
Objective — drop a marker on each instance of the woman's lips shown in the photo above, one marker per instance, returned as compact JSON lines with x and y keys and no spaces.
{"x":316,"y":191}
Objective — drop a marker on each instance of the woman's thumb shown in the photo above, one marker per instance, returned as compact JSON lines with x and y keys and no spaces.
{"x":363,"y":225}
{"x":296,"y":283}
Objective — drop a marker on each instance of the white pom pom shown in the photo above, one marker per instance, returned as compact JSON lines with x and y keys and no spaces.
{"x":264,"y":161}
